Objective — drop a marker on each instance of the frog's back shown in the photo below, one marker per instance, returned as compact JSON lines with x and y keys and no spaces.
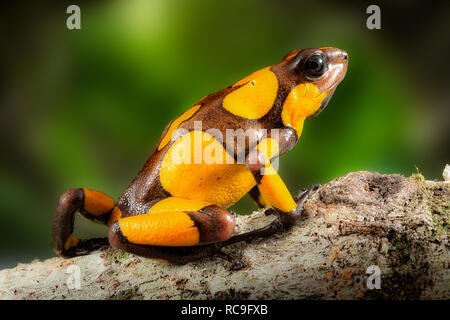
{"x":215,"y":174}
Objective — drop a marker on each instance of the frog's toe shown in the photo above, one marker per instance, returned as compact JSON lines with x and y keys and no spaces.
{"x":305,"y":194}
{"x":84,"y":247}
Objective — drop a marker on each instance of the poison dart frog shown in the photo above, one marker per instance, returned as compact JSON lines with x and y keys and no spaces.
{"x":222,"y":148}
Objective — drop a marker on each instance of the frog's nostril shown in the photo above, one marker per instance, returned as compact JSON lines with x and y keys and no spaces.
{"x":345,"y":56}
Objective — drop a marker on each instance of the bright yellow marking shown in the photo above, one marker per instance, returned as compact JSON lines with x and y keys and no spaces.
{"x":97,"y":203}
{"x":251,"y":76}
{"x":116,"y":214}
{"x":303,"y":101}
{"x":71,"y":242}
{"x":262,"y":201}
{"x":256,"y":96}
{"x":160,"y":229}
{"x":275,"y":191}
{"x":178,"y":204}
{"x":323,"y":48}
{"x":269,"y":147}
{"x":221,"y":182}
{"x":174,"y":126}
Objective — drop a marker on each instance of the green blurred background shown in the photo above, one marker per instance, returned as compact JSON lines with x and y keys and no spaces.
{"x":85,"y":108}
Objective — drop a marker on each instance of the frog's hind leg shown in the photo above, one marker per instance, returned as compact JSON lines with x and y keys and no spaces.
{"x":94,"y":205}
{"x":176,"y":230}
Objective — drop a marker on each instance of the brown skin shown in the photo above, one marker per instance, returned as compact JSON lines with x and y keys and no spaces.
{"x":215,"y":224}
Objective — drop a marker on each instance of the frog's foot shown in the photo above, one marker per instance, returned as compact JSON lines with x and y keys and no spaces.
{"x":288,"y":219}
{"x":274,"y":227}
{"x":83,"y":247}
{"x":283,"y":221}
{"x":304,"y":194}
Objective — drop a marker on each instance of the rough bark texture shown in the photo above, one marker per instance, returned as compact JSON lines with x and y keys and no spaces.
{"x":364,"y":218}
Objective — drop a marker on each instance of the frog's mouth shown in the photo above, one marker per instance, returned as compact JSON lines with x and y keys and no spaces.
{"x":323,"y":103}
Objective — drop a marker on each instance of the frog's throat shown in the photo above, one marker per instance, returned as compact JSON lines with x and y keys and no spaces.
{"x":302,"y":102}
{"x":323,"y":104}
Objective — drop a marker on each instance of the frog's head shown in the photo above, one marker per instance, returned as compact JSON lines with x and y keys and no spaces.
{"x":310,"y":77}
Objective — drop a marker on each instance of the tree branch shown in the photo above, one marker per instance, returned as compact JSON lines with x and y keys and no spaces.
{"x":397,"y":224}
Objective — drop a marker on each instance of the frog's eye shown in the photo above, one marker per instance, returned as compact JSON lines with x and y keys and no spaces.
{"x":315,"y":66}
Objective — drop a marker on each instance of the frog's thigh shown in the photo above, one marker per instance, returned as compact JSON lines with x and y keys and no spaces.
{"x":174,"y":228}
{"x":174,"y":222}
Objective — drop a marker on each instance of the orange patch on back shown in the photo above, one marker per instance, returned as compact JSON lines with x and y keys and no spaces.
{"x":174,"y":126}
{"x":251,"y":76}
{"x":256,"y":96}
{"x":304,"y":100}
{"x":174,"y":228}
{"x":97,"y":203}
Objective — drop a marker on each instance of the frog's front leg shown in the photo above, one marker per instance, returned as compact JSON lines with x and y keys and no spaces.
{"x":94,"y":205}
{"x":272,"y":191}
